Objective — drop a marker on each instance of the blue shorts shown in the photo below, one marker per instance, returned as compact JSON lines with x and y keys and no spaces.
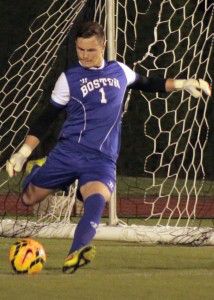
{"x":69,"y":161}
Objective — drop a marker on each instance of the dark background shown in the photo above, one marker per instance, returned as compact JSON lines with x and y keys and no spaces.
{"x":15,"y":18}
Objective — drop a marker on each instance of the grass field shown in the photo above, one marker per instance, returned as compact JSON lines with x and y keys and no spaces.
{"x":119,"y":271}
{"x":136,"y":185}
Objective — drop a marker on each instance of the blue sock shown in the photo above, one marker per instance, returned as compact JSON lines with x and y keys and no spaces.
{"x":86,"y":228}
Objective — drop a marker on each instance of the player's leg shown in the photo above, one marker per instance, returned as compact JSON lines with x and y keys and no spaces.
{"x":97,"y":175}
{"x":46,"y":178}
{"x":95,"y":194}
{"x":34,"y":194}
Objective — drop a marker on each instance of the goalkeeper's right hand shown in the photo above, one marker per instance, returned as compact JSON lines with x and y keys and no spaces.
{"x":17,"y":160}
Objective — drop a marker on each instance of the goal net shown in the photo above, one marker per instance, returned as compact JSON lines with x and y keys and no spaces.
{"x":165,"y":171}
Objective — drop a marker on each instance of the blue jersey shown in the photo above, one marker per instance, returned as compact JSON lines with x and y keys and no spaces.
{"x":94,"y":103}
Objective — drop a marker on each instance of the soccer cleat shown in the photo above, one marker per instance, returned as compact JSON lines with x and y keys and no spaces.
{"x":78,"y":259}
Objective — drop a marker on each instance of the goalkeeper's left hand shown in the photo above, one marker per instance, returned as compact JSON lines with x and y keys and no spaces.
{"x":193,"y":86}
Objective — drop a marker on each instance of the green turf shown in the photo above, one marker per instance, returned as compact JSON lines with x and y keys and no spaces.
{"x":131,"y":186}
{"x":119,"y":271}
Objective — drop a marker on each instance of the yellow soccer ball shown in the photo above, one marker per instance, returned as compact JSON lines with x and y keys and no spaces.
{"x":27,"y":256}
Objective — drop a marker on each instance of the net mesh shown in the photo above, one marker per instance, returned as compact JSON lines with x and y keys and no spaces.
{"x":28,"y":67}
{"x":173,"y":185}
{"x":177,"y":124}
{"x":161,"y":171}
{"x":21,"y":90}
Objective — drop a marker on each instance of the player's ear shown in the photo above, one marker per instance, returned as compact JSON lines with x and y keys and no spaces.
{"x":104,"y":45}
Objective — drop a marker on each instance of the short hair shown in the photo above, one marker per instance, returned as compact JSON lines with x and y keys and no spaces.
{"x":89,"y":29}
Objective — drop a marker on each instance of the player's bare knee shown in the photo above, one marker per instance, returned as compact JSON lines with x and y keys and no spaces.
{"x":95,"y":187}
{"x":33,"y":195}
{"x":27,"y":198}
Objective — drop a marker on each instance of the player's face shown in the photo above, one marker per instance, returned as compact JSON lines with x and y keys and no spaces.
{"x":90,"y":51}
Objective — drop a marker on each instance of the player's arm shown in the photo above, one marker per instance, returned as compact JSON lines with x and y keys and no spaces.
{"x":59,"y":98}
{"x":37,"y":130}
{"x":148,"y":84}
{"x":194,"y":86}
{"x":157,"y":84}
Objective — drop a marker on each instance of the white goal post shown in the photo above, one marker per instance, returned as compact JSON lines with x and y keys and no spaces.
{"x":174,"y":39}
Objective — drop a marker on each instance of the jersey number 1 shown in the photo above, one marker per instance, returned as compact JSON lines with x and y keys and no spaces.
{"x":103,"y":95}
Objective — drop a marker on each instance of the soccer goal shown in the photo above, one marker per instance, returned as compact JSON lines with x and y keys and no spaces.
{"x":165,"y":179}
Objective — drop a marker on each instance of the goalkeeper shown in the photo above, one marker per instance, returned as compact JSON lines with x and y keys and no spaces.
{"x":92,"y":93}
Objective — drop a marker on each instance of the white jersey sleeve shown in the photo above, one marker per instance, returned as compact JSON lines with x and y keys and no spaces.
{"x":61,"y":92}
{"x":130,"y":74}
